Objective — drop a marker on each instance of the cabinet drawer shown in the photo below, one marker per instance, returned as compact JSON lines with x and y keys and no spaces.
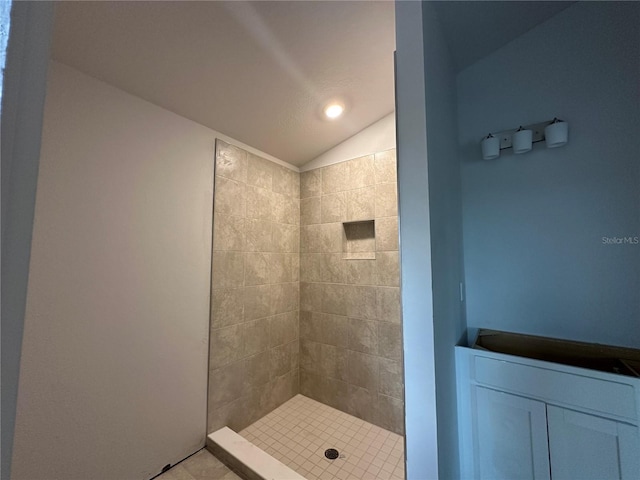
{"x":608,"y":397}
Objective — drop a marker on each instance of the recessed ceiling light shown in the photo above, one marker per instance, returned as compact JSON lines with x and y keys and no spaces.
{"x":333,"y":110}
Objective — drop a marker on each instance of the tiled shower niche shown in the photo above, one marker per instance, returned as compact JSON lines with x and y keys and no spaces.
{"x":305,"y":289}
{"x":359,"y":240}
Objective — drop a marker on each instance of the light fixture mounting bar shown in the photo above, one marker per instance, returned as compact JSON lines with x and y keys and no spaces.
{"x":536,"y":128}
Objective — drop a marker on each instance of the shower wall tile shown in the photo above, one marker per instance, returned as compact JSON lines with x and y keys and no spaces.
{"x":311,"y":239}
{"x":295,"y":355}
{"x":337,"y":393}
{"x":310,"y":294}
{"x":254,"y":352}
{"x":335,"y":329}
{"x":256,"y":268}
{"x":388,"y":269}
{"x":390,"y":381}
{"x":361,"y":272}
{"x":361,"y":204}
{"x":363,"y":370}
{"x":260,"y":203}
{"x":390,"y":414}
{"x":280,"y":358}
{"x":361,"y":172}
{"x":328,"y":361}
{"x":362,"y":403}
{"x":295,"y":267}
{"x":309,"y":211}
{"x":261,"y":172}
{"x":231,"y":161}
{"x":333,"y":207}
{"x":389,"y":344}
{"x":310,"y":326}
{"x":331,"y":237}
{"x":286,"y":238}
{"x":385,"y":167}
{"x":228,"y":233}
{"x":227,"y":307}
{"x":310,"y":267}
{"x":386,"y":200}
{"x":258,"y":235}
{"x":257,"y":369}
{"x":310,"y":356}
{"x":334,"y":299}
{"x":286,"y":182}
{"x":227,"y":269}
{"x":226,"y":346}
{"x":255,"y":336}
{"x":331,"y":268}
{"x":311,"y":183}
{"x":284,"y":297}
{"x":388,"y":304}
{"x":350,"y":323}
{"x":226,"y":383}
{"x":229,"y":198}
{"x":279,"y":268}
{"x":361,"y":301}
{"x":387,"y":233}
{"x":282,"y":389}
{"x":257,"y":302}
{"x":283,"y":329}
{"x":231,"y":414}
{"x":363,"y":336}
{"x":334,"y":178}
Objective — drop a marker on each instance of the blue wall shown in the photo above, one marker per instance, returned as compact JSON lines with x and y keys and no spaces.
{"x":533,"y":224}
{"x":446,"y":231}
{"x":421,"y":439}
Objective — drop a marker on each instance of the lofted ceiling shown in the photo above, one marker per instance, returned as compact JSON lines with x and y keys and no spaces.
{"x":259,"y":72}
{"x":474,"y":29}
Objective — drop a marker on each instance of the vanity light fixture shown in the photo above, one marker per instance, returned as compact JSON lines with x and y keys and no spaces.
{"x":555,"y":133}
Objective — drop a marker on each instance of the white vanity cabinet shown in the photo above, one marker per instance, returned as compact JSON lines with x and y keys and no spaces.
{"x":521,"y":418}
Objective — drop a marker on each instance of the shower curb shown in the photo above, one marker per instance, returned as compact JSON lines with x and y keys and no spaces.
{"x":246,"y":459}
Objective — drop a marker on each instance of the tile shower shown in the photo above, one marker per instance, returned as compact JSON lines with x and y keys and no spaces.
{"x":350,"y":333}
{"x":305,"y":289}
{"x":253,"y":359}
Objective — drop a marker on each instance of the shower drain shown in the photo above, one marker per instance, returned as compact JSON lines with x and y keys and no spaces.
{"x":331,"y":453}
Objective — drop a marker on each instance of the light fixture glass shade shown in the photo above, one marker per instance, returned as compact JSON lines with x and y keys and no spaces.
{"x":556,"y":134}
{"x":490,"y":148}
{"x":522,"y":141}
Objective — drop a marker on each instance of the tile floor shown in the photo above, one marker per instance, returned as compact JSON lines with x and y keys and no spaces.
{"x":200,"y":466}
{"x":298,"y":432}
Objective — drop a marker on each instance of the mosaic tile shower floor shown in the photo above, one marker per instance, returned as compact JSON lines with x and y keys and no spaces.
{"x":298,"y":432}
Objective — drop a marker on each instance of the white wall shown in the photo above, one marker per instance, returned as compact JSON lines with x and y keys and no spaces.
{"x":377,"y":137}
{"x":113,"y":379}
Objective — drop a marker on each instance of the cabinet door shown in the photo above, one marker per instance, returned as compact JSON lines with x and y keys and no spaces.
{"x":511,"y":437}
{"x":591,"y":448}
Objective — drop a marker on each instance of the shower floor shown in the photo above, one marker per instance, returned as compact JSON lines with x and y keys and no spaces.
{"x":298,"y":432}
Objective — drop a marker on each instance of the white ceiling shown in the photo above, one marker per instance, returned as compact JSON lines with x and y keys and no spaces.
{"x":259,"y":72}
